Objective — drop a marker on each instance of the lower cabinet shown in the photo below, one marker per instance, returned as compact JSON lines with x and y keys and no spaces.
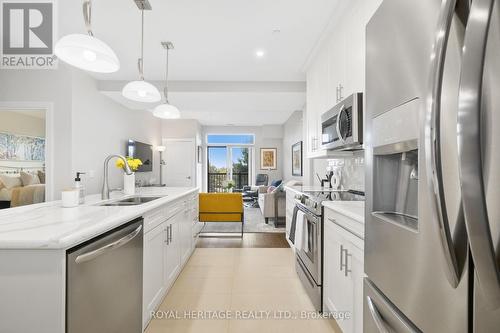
{"x":343,"y":275}
{"x":173,"y":249}
{"x":154,"y":270}
{"x":186,"y":232}
{"x":167,"y":247}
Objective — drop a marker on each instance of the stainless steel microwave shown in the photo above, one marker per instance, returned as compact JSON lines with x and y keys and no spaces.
{"x":342,"y":125}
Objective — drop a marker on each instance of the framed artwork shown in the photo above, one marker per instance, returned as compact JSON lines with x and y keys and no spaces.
{"x":268,"y":158}
{"x":297,"y":159}
{"x":15,"y":147}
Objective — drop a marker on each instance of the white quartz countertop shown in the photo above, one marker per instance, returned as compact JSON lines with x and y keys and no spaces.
{"x":50,"y":226}
{"x":353,"y":209}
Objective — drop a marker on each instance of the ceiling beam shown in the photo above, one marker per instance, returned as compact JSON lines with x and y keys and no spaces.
{"x":214,"y":86}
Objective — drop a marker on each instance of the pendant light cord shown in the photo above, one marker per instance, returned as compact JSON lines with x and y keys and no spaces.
{"x":87,"y":16}
{"x":141,"y":61}
{"x":166,"y":81}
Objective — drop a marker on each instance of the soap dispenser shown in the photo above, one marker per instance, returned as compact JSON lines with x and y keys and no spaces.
{"x":79,"y":186}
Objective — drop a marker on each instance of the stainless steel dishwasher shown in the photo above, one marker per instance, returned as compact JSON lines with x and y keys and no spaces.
{"x":104,"y":283}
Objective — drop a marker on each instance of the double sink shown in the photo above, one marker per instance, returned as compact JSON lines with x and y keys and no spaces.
{"x":130,"y":201}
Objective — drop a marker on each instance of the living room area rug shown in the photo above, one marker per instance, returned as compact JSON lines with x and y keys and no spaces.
{"x":254,"y":222}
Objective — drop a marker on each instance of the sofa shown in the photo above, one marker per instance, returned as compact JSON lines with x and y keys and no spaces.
{"x":272,"y":202}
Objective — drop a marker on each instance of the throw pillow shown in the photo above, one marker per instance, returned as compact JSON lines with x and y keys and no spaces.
{"x":276,"y":183}
{"x":29,"y":179}
{"x":270,"y":189}
{"x":10,"y":182}
{"x":41,"y":176}
{"x":280,"y":188}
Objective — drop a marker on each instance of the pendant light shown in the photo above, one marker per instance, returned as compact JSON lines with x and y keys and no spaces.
{"x":140,"y":90}
{"x":167,"y":110}
{"x":85,"y":51}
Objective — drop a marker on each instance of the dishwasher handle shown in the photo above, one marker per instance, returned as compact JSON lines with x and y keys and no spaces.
{"x":108,"y":247}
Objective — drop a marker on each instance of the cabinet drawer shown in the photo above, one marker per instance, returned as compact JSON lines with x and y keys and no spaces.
{"x":354,"y":227}
{"x":332,"y":225}
{"x":174,"y":208}
{"x":153,"y":218}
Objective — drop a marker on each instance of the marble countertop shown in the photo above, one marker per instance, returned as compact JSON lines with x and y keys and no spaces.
{"x":353,"y":209}
{"x":304,"y":188}
{"x":50,"y":226}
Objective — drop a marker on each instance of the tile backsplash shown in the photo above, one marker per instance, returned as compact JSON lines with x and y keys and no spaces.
{"x":351,"y":169}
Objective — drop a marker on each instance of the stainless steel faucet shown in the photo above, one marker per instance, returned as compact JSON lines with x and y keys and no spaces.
{"x":105,"y":186}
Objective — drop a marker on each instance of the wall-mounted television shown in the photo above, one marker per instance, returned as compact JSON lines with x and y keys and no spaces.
{"x":142,"y":151}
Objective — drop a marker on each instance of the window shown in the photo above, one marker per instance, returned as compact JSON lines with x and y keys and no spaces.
{"x":231,"y":139}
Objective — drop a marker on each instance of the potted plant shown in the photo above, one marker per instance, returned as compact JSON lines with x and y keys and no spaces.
{"x":129,"y":180}
{"x":228,"y":185}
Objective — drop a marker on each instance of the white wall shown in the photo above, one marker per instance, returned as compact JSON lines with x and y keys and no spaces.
{"x":87,"y":126}
{"x":292,"y":133}
{"x":102,"y":127}
{"x":41,"y":88}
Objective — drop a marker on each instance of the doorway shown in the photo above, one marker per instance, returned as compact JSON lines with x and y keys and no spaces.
{"x":179,"y":161}
{"x":228,"y":167}
{"x":24,"y":155}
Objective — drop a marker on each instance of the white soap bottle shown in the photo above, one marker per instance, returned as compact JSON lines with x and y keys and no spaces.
{"x":79,"y":186}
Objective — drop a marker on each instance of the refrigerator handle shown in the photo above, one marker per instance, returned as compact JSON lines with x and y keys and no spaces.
{"x":377,"y":317}
{"x":469,"y":150}
{"x":433,"y":141}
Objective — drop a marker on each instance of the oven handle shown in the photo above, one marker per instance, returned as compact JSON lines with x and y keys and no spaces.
{"x":311,"y":217}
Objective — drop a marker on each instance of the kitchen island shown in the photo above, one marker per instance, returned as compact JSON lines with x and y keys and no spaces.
{"x":34,"y":242}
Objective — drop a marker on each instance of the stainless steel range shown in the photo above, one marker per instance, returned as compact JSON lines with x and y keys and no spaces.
{"x":309,"y":258}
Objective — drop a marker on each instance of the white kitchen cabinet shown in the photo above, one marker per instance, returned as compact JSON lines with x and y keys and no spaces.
{"x":343,"y":273}
{"x":186,"y":232}
{"x":339,"y":61}
{"x":172,"y":249}
{"x":154,"y":286}
{"x":168,"y":244}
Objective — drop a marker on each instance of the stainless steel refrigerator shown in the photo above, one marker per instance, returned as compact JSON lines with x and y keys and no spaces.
{"x":432,"y":233}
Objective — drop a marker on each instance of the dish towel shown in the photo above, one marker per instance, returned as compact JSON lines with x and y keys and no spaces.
{"x":291,"y":237}
{"x":300,"y":226}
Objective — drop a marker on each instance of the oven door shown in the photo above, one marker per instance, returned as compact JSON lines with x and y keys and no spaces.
{"x":310,"y":255}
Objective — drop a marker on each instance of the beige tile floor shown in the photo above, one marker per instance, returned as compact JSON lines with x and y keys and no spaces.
{"x":241,"y":281}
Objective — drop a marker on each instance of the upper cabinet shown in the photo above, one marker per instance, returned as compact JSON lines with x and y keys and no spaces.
{"x":337,"y":68}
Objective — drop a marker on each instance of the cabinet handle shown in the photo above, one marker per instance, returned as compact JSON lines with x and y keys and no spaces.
{"x":170,"y":234}
{"x":167,"y":240}
{"x":341,"y":257}
{"x":347,"y":255}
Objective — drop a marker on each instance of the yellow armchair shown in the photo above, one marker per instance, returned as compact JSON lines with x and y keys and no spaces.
{"x":221,"y":207}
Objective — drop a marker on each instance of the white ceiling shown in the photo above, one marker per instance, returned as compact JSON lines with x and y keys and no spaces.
{"x":214,"y":40}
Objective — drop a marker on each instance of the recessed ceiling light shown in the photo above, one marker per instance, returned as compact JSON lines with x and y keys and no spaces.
{"x":259,"y":53}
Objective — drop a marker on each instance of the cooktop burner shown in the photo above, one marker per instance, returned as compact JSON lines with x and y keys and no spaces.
{"x":312,"y":199}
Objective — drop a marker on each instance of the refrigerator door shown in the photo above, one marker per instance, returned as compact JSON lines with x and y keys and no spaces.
{"x":405,"y":255}
{"x":381,"y":316}
{"x":479,"y":142}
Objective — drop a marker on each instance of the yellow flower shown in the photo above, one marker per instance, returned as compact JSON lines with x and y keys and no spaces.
{"x":133,"y":163}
